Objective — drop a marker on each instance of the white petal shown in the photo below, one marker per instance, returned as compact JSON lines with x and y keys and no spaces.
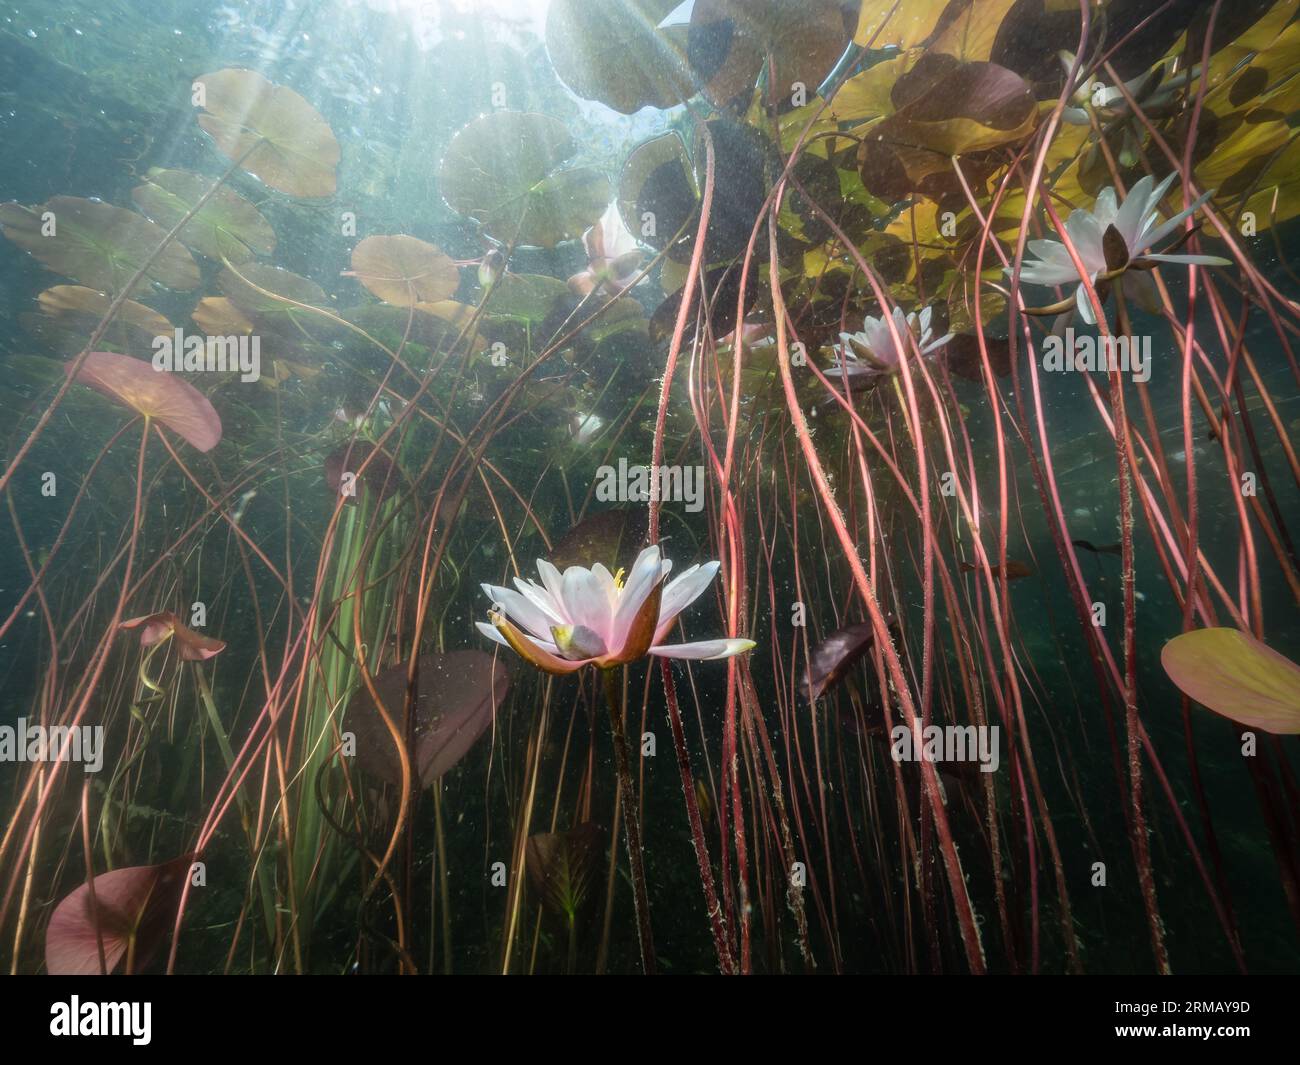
{"x":1085,"y":305}
{"x":490,"y":632}
{"x":520,"y":609}
{"x":682,"y":591}
{"x":703,"y":650}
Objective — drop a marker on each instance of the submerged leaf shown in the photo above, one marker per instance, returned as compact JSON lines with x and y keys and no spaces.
{"x":562,"y":866}
{"x":192,"y":646}
{"x":100,"y":245}
{"x":160,"y":395}
{"x":459,"y":693}
{"x":280,"y":137}
{"x":590,"y":45}
{"x":404,"y":270}
{"x":505,"y":170}
{"x":380,"y":474}
{"x":133,"y":911}
{"x":1236,"y":675}
{"x":226,"y":227}
{"x":831,"y":660}
{"x":610,"y":537}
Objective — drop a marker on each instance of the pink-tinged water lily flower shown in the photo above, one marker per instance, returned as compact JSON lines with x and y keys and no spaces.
{"x":873,"y":353}
{"x":590,"y":617}
{"x":1112,"y":240}
{"x":613,"y":257}
{"x":155,"y":628}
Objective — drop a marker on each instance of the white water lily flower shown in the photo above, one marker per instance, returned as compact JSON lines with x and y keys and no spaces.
{"x":1112,"y":239}
{"x":591,"y":617}
{"x":872,"y":352}
{"x":613,"y":257}
{"x":1151,"y":89}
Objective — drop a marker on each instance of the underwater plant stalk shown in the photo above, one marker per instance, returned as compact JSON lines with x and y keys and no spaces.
{"x":631,"y":816}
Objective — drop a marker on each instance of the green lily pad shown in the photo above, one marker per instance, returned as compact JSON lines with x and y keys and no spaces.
{"x":100,"y":245}
{"x":505,"y":171}
{"x":589,"y":45}
{"x":657,"y":191}
{"x":227,"y":226}
{"x":526,"y":297}
{"x":280,"y":138}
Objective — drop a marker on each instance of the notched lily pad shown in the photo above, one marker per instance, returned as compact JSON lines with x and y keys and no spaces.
{"x":280,"y":138}
{"x":505,"y":170}
{"x":226,"y":227}
{"x":97,"y":244}
{"x":458,"y":695}
{"x":590,"y":45}
{"x":404,"y":270}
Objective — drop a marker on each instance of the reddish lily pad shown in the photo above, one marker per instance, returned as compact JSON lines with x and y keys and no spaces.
{"x":379,"y":475}
{"x":1237,"y":676}
{"x":832,"y":659}
{"x":459,"y":693}
{"x":159,"y":395}
{"x":133,"y":914}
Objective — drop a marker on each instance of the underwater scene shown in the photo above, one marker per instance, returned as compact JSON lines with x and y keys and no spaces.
{"x":638,"y":486}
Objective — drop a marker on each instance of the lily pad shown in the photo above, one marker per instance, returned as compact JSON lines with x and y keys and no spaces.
{"x":459,"y":693}
{"x":611,"y":537}
{"x":590,"y":45}
{"x":1237,"y":676}
{"x":226,"y":227}
{"x":380,"y":474}
{"x":505,"y":171}
{"x":403,"y":270}
{"x":657,"y":191}
{"x":133,"y":914}
{"x":831,"y":660}
{"x":730,"y":39}
{"x":943,"y":107}
{"x":159,"y":395}
{"x":100,"y":245}
{"x":254,"y":288}
{"x":69,"y":315}
{"x":280,"y":138}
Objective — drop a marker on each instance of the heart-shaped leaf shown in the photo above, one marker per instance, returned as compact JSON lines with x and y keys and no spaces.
{"x":133,"y":914}
{"x":157,"y":394}
{"x":403,"y":270}
{"x":1236,"y":675}
{"x":69,"y":314}
{"x":226,"y":227}
{"x":100,"y":245}
{"x":562,"y":866}
{"x":505,"y":171}
{"x":278,"y":135}
{"x":459,"y":692}
{"x":590,"y":45}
